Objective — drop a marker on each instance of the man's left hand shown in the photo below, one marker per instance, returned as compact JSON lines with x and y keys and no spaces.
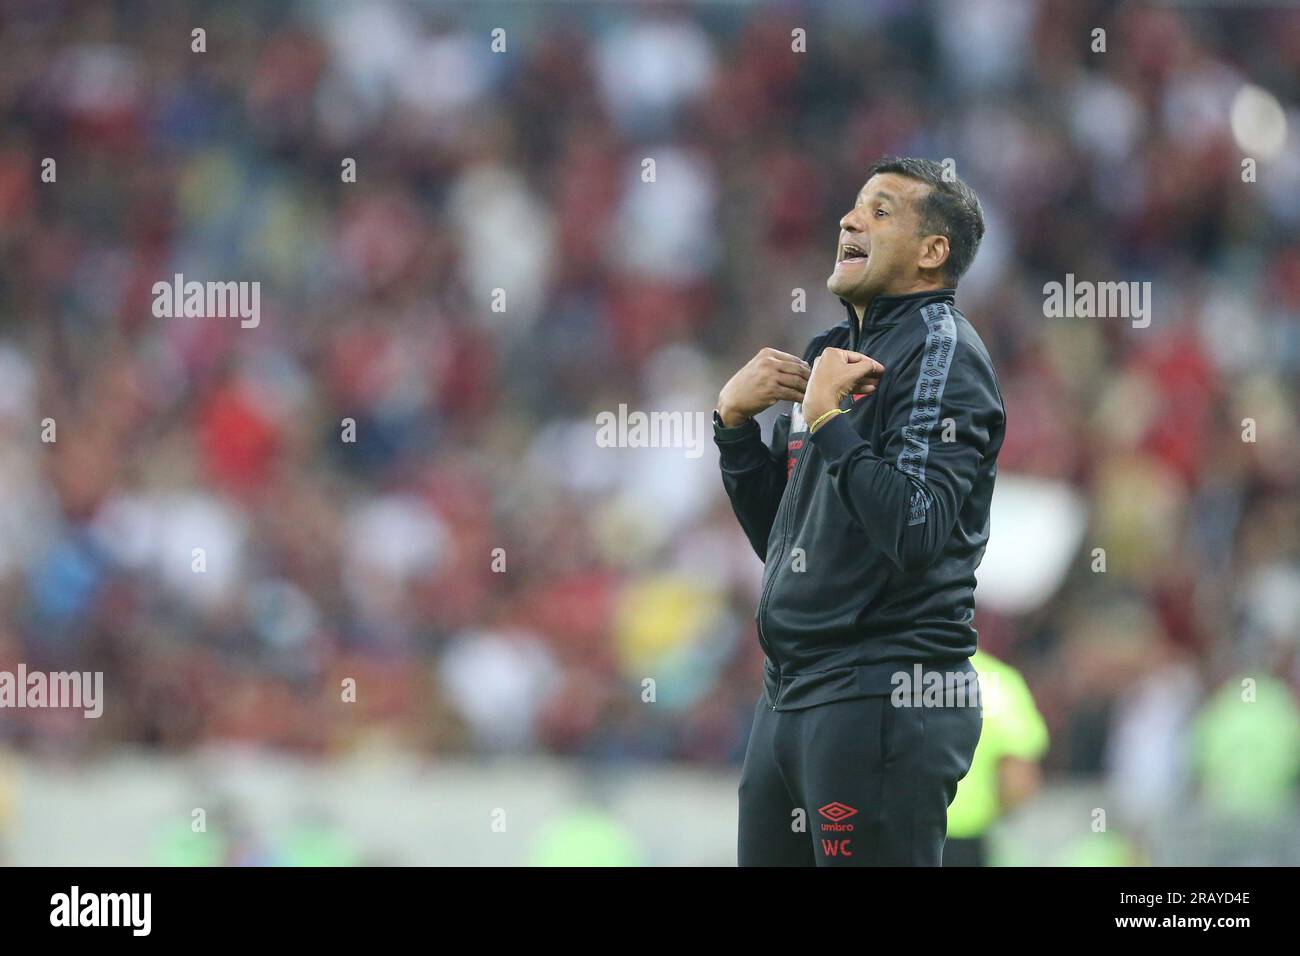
{"x":835,"y":374}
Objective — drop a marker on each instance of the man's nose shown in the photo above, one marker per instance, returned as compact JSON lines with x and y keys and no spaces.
{"x":850,"y":222}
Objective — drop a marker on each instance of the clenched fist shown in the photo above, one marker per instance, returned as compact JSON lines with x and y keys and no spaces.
{"x":769,"y":377}
{"x":837,"y":373}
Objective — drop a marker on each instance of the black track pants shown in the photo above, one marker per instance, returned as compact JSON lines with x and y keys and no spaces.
{"x":873,"y":782}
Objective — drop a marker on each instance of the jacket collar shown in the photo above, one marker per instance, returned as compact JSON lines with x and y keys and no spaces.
{"x":886,"y":310}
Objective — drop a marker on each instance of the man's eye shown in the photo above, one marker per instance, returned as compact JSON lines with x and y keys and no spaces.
{"x":880,"y":212}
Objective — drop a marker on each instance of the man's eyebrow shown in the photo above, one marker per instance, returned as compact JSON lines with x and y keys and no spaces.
{"x":878,"y":195}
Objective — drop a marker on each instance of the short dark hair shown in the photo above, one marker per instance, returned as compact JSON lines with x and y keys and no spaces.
{"x":950,"y":209}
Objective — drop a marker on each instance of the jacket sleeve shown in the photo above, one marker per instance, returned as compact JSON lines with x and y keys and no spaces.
{"x":943,"y":416}
{"x":754,"y":476}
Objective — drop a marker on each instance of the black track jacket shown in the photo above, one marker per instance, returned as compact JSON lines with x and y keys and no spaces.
{"x":871,"y":530}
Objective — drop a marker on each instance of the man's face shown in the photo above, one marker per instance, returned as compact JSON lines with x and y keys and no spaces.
{"x":880,"y":245}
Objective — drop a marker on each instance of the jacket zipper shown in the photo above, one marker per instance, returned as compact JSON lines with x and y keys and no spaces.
{"x":792,"y":489}
{"x":858,"y":340}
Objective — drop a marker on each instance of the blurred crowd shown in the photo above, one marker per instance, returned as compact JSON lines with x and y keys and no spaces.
{"x":394,"y":479}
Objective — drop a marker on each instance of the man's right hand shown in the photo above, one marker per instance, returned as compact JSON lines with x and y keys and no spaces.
{"x":769,"y":377}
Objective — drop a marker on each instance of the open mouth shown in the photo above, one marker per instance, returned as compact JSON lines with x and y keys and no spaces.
{"x":852,"y":253}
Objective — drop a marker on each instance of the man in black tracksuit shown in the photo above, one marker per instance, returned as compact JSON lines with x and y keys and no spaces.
{"x":870,"y":510}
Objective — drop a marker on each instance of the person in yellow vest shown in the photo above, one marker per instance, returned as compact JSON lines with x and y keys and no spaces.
{"x":1005,"y":770}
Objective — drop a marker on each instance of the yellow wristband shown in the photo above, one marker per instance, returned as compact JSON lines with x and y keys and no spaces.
{"x":824,"y":417}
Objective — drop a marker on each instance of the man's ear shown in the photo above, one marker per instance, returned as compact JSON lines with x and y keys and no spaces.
{"x":934,"y":252}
